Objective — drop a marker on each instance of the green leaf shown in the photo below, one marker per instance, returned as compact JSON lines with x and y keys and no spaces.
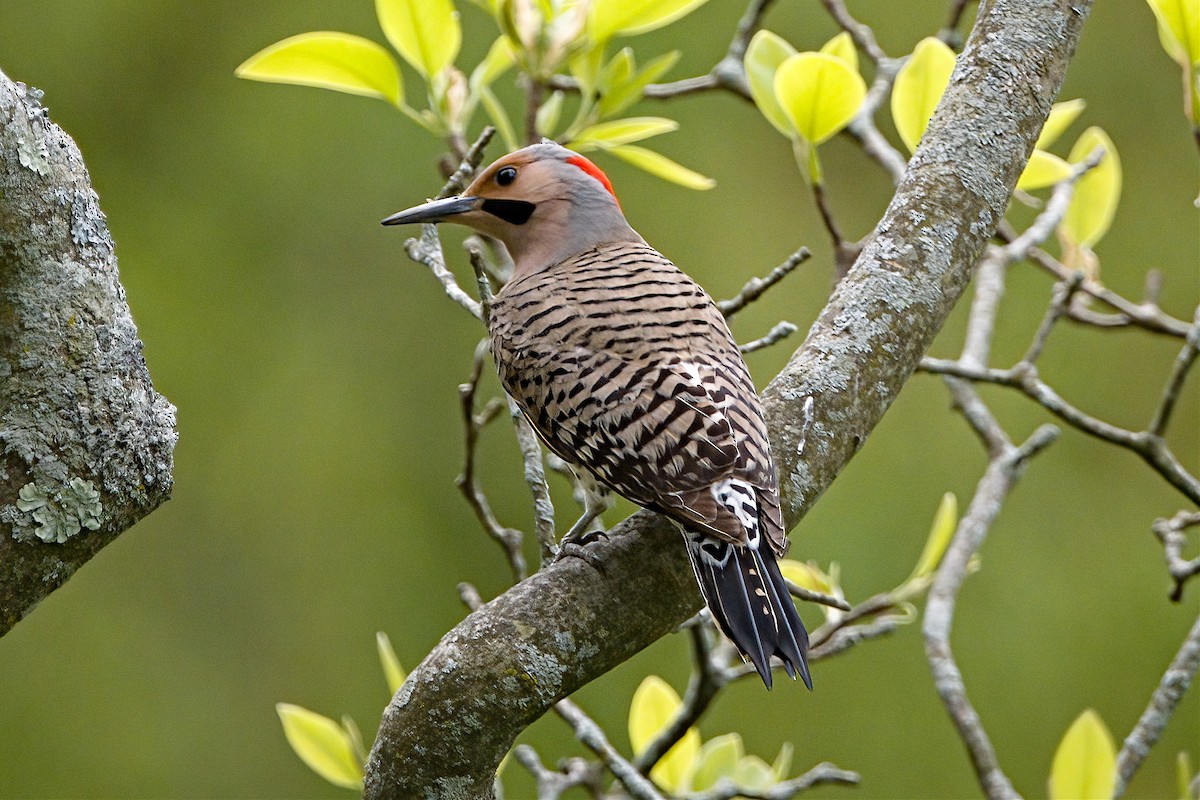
{"x":1097,"y":193}
{"x":718,"y":759}
{"x":499,"y":59}
{"x":608,"y":18}
{"x":499,"y":117}
{"x":1084,"y":765}
{"x":1060,"y":118}
{"x":328,"y":60}
{"x":918,"y":88}
{"x":1043,"y":169}
{"x":624,"y":131}
{"x":620,"y":97}
{"x":763,"y":57}
{"x":783,"y":762}
{"x":392,"y":671}
{"x":546,"y":121}
{"x":945,"y":520}
{"x":1183,"y":775}
{"x":662,"y":167}
{"x":819,"y":93}
{"x":322,"y":744}
{"x":425,"y":32}
{"x":806,"y":576}
{"x":654,"y":705}
{"x":1179,"y":28}
{"x":842,"y":46}
{"x":754,"y":773}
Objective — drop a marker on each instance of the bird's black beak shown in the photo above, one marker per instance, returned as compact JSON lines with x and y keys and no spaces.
{"x":434,"y":211}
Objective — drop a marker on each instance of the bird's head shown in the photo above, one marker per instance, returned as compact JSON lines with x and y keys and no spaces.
{"x":544,"y":202}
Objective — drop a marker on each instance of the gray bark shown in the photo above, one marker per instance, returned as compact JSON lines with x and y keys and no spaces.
{"x":85,"y":441}
{"x":445,"y":731}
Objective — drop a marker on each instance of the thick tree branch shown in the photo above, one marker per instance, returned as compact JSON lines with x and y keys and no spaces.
{"x":86,"y":441}
{"x":508,"y":662}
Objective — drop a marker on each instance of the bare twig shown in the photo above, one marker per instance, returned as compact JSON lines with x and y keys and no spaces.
{"x":509,"y":538}
{"x":1060,"y":305}
{"x":755,"y":287}
{"x":592,"y":737}
{"x":844,"y":252}
{"x":708,"y":677}
{"x":784,"y":790}
{"x":552,"y":784}
{"x":535,"y":478}
{"x":466,"y":169}
{"x":1154,"y":450}
{"x":949,"y":32}
{"x":809,"y":596}
{"x":427,"y":250}
{"x":863,"y":36}
{"x":998,"y":480}
{"x":781,"y":331}
{"x":1154,"y":719}
{"x":728,"y":73}
{"x":1183,"y":363}
{"x":1171,"y":533}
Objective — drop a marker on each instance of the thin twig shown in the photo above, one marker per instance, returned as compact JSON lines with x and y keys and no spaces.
{"x":706,"y":681}
{"x":863,"y":36}
{"x":781,"y":331}
{"x":535,"y":479}
{"x":1060,"y":305}
{"x":1171,"y":533}
{"x":998,"y":480}
{"x":1179,"y":372}
{"x":466,"y":169}
{"x":949,"y":32}
{"x":755,"y":287}
{"x":552,"y":784}
{"x":728,"y":73}
{"x":509,"y":538}
{"x":1154,"y":719}
{"x":427,"y":250}
{"x":1154,"y":450}
{"x":592,"y":736}
{"x":809,"y":596}
{"x":784,"y":790}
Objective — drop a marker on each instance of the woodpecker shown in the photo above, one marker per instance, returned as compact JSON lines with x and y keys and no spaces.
{"x":628,"y":372}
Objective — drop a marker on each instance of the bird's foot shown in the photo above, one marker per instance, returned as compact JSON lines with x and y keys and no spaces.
{"x":575,"y":545}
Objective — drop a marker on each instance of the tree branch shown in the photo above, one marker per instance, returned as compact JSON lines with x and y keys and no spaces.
{"x":447,"y":728}
{"x":86,"y":441}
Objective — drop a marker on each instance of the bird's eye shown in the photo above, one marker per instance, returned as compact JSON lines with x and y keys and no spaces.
{"x":506,"y":176}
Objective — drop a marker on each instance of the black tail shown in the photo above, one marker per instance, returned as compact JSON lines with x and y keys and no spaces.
{"x":751,"y":604}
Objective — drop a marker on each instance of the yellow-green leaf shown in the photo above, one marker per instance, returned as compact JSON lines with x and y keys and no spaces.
{"x":1084,"y":765}
{"x":654,"y":705}
{"x":425,"y":32}
{"x":660,"y":166}
{"x":763,"y":57}
{"x":1043,"y":169}
{"x":392,"y":671}
{"x":842,"y":46}
{"x":322,"y":744}
{"x":919,"y":86}
{"x":500,"y":57}
{"x":328,"y":60}
{"x":1183,"y":775}
{"x":945,"y":520}
{"x":819,"y":93}
{"x":718,"y":759}
{"x":624,"y":131}
{"x":1179,"y":28}
{"x":753,"y":773}
{"x":1097,"y":193}
{"x":806,"y":576}
{"x":1060,"y":118}
{"x":547,"y":117}
{"x":783,"y":762}
{"x":621,"y":96}
{"x":607,"y":18}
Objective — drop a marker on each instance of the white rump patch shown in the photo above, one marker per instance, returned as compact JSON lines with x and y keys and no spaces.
{"x":742,"y":501}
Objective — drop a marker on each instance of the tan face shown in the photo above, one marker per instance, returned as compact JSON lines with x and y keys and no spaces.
{"x":544,"y":203}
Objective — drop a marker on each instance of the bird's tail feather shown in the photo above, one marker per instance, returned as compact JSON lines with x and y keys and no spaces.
{"x":751,"y":604}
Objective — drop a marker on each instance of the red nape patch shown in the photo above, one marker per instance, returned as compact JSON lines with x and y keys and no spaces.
{"x":595,"y":172}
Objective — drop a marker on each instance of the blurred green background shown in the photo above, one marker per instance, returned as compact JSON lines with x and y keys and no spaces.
{"x":315,"y":372}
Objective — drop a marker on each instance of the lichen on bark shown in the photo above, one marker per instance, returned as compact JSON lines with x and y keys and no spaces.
{"x":85,"y":441}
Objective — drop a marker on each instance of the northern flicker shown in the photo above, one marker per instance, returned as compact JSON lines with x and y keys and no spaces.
{"x":627,"y":371}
